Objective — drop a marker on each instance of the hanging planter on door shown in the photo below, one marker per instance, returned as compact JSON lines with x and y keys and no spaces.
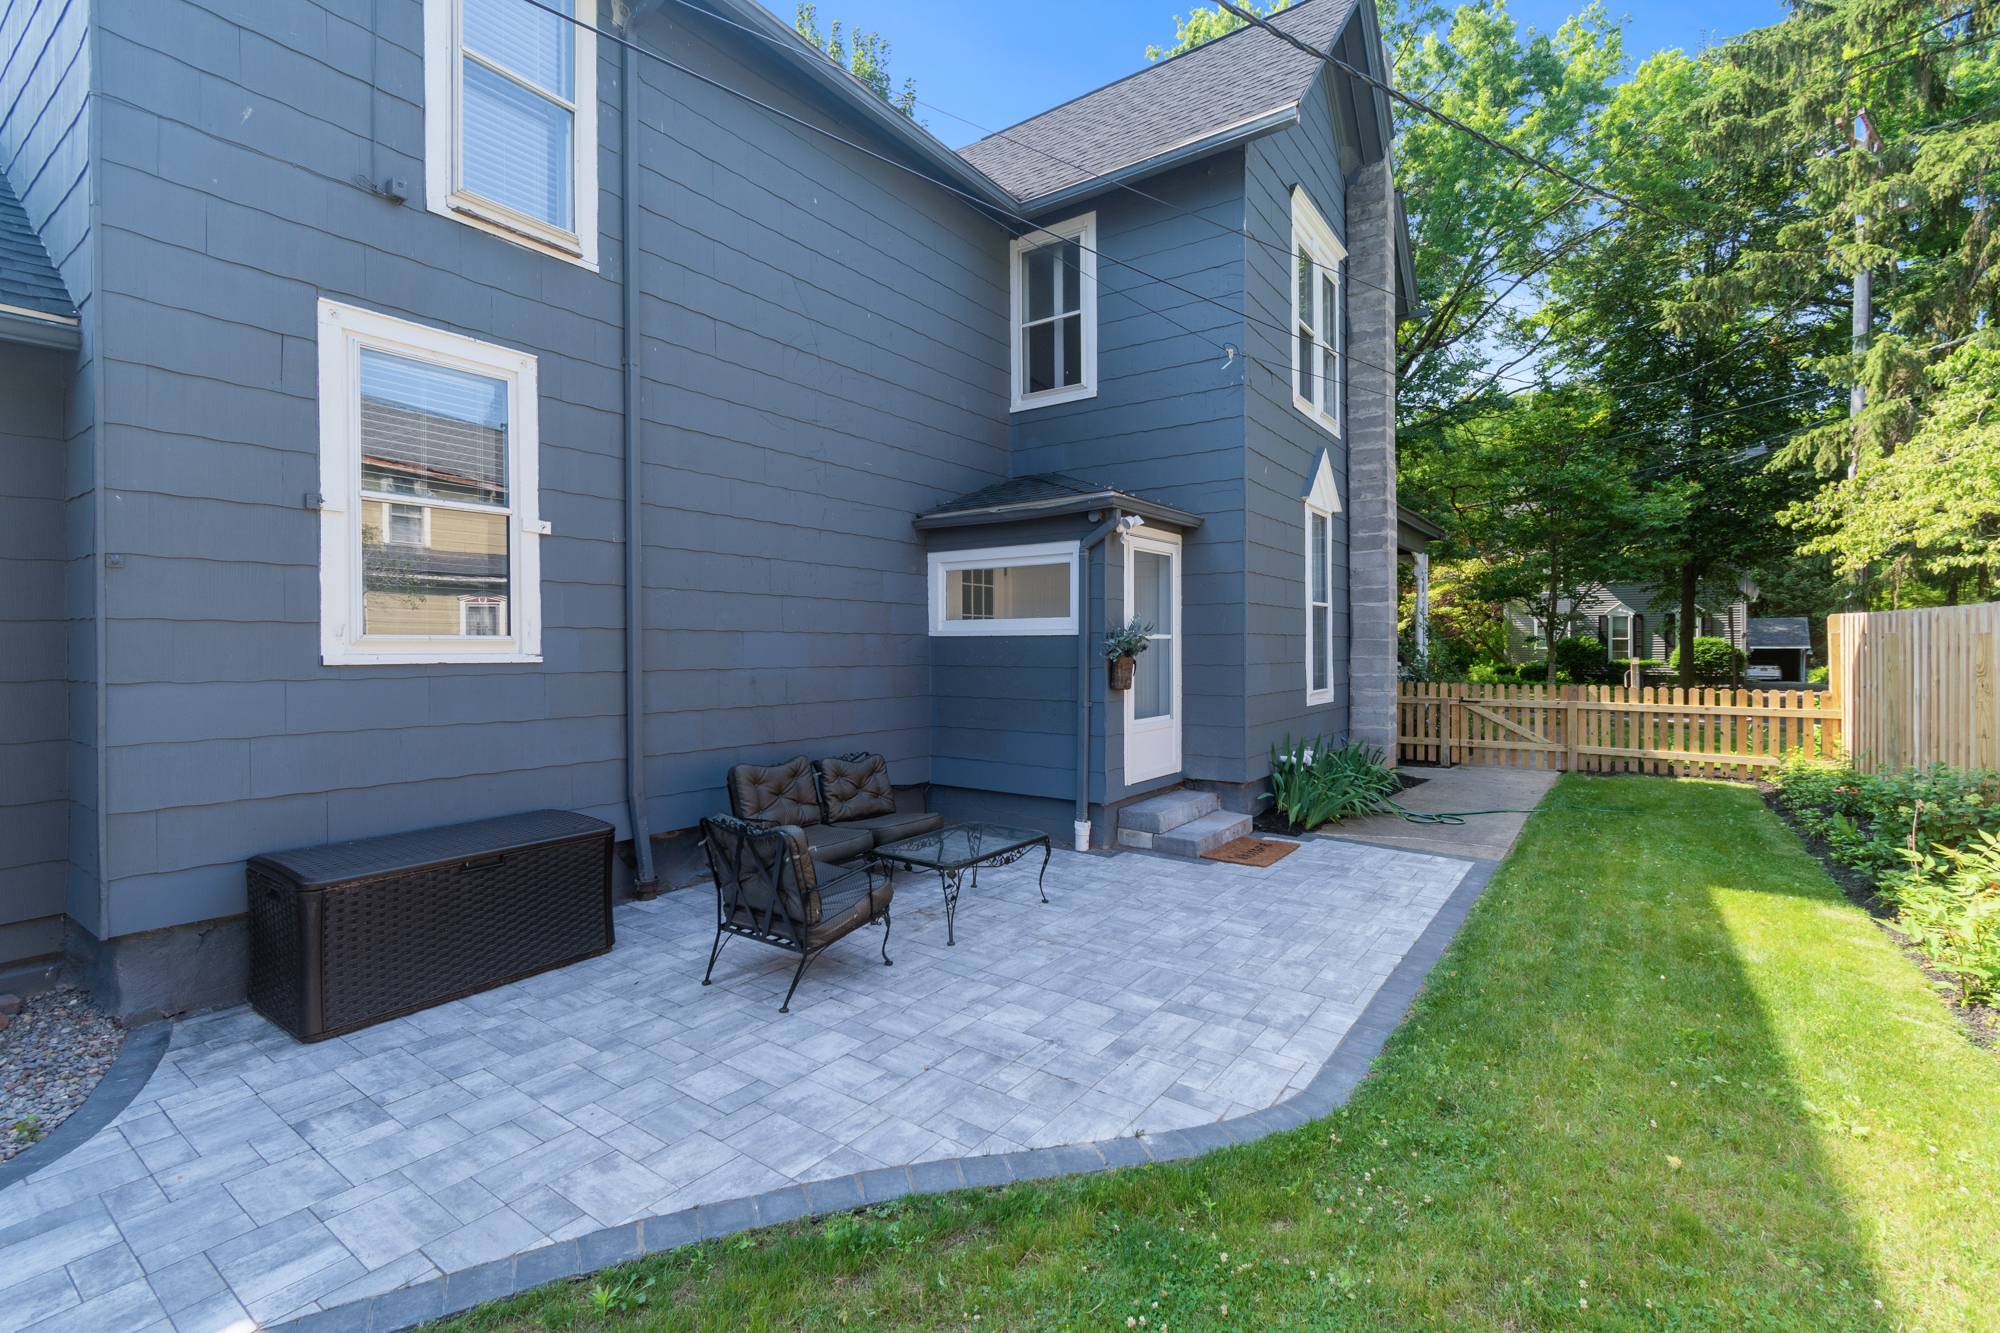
{"x":1123,"y":647}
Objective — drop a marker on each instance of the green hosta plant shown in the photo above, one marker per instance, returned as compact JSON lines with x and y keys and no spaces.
{"x":1313,"y":782}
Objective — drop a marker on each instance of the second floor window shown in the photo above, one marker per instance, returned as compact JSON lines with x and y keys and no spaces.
{"x":1055,"y":314}
{"x":510,"y":123}
{"x":1318,"y":316}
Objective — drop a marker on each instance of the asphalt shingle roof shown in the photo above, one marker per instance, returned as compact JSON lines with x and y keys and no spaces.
{"x":1024,"y":490}
{"x":1226,"y":82}
{"x":1778,"y":632}
{"x":27,"y":278}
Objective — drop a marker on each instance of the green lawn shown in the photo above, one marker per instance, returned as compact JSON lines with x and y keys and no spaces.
{"x":1666,"y":1078}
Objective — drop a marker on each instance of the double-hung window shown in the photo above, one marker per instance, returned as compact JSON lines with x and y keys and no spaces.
{"x":1319,"y":317}
{"x":428,"y":527}
{"x":1054,"y":295}
{"x":1322,"y":502}
{"x":1005,"y":590}
{"x":510,"y":121}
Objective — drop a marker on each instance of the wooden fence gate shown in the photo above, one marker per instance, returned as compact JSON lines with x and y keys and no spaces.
{"x":1615,"y":729}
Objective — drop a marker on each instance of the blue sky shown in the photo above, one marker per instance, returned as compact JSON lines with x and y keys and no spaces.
{"x":995,"y":65}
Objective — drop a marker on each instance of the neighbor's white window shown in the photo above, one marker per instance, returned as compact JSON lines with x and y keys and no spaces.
{"x":510,"y":121}
{"x":1005,"y":590}
{"x":429,"y":546}
{"x":1319,"y":371}
{"x":1322,"y":502}
{"x":1055,"y":314}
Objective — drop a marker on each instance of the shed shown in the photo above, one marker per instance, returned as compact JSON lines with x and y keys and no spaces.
{"x":1780,"y":649}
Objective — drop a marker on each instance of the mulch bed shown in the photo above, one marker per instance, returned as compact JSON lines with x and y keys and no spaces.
{"x":52,"y":1055}
{"x":1980,"y":1021}
{"x":1271,"y":820}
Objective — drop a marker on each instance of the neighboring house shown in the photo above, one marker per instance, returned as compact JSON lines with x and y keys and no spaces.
{"x":1627,"y":620}
{"x":418,"y":363}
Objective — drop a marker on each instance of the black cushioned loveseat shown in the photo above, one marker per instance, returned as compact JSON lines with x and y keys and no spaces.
{"x":845,"y":806}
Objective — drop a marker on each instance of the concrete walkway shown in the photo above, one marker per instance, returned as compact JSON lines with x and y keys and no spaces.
{"x":1464,"y":787}
{"x":255,"y":1180}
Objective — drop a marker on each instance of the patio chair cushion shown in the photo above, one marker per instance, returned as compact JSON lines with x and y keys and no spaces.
{"x":895,"y":828}
{"x":775,"y":793}
{"x":757,"y":879}
{"x":849,"y":903}
{"x":834,"y":843}
{"x":854,"y":786}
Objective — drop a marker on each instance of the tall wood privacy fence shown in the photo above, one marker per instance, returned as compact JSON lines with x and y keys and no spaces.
{"x":1920,"y":685}
{"x":1616,"y":729}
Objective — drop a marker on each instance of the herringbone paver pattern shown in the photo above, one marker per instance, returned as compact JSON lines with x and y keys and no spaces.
{"x":258,"y":1179}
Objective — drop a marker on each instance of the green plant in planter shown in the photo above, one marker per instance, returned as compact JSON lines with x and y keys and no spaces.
{"x":1130,"y":641}
{"x":1313,"y":782}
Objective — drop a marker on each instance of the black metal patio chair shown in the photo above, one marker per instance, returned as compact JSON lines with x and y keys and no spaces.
{"x":768,"y":889}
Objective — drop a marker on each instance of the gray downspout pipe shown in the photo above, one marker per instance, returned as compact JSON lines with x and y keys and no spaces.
{"x":646,"y":881}
{"x":1098,"y":534}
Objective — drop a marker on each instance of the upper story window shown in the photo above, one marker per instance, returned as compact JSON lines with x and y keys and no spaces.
{"x":1055,"y":314}
{"x":1004,"y":590}
{"x":1319,"y":373}
{"x":510,"y":124}
{"x":428,"y":531}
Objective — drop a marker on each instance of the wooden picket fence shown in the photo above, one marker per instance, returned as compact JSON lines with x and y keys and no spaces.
{"x":1921,"y":684}
{"x":1616,"y":729}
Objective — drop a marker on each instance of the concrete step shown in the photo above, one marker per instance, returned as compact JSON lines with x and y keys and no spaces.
{"x":1169,"y":810}
{"x":1203,"y":835}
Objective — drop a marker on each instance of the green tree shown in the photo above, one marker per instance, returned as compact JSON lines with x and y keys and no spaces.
{"x":1703,"y":383}
{"x":865,"y":55}
{"x":1205,"y":25}
{"x":1538,"y":499}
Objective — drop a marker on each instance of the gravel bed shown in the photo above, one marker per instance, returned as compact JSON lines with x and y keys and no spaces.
{"x":51,"y":1055}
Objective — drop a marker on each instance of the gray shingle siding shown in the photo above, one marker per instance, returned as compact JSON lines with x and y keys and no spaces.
{"x":826,"y":343}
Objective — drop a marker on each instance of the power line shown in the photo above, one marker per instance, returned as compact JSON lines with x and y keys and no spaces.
{"x":1598,"y":190}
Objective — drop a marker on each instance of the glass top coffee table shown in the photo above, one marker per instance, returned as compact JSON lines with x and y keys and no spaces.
{"x":965,"y":847}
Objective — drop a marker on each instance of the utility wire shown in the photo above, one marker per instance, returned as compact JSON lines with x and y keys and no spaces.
{"x":1600,"y":191}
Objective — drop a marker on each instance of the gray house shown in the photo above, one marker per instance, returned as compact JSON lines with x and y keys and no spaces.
{"x":422,"y":410}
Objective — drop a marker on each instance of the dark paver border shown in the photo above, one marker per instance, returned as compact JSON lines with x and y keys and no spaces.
{"x":135,"y":1062}
{"x":1343,"y":1071}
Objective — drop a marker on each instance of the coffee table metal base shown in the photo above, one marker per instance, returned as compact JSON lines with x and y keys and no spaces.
{"x":953,"y":874}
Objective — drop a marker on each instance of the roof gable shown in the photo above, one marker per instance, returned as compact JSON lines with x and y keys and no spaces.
{"x":1237,"y":82}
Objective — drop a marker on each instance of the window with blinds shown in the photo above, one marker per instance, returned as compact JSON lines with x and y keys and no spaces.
{"x":429,"y":539}
{"x":509,"y":120}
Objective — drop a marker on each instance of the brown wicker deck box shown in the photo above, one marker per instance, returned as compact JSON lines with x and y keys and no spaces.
{"x":354,"y":933}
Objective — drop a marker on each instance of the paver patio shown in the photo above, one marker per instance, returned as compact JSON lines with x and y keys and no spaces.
{"x":255,"y":1179}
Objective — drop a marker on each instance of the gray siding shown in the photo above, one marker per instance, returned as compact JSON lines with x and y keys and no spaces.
{"x":822,"y":337}
{"x":46,"y":124}
{"x":1283,"y":445}
{"x":1167,"y":423}
{"x":34,"y":655}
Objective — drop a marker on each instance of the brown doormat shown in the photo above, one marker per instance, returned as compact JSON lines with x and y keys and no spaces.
{"x":1252,"y":852}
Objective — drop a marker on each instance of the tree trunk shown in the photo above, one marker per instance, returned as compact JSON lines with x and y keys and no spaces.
{"x":1555,"y":598}
{"x":1689,"y":578}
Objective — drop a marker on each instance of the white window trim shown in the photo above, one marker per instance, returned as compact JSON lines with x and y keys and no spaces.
{"x":1309,"y":230}
{"x":343,"y":331}
{"x":442,"y":103}
{"x":1083,"y":230}
{"x":1001,"y":557}
{"x":1321,"y":497}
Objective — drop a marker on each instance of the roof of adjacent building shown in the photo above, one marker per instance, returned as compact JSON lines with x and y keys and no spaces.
{"x":1234,"y":81}
{"x":28,"y":281}
{"x":1778,"y":632}
{"x":1044,"y":493}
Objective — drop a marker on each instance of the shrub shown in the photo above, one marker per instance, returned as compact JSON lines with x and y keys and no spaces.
{"x":1313,"y":783}
{"x":1716,"y":661}
{"x":1818,"y":675}
{"x":1949,"y":905}
{"x":1584,"y":660}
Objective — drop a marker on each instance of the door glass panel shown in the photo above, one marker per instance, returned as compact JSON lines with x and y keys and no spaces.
{"x":1153,"y":604}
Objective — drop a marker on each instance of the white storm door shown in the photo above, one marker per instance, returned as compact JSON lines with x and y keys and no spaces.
{"x":1153,"y":704}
